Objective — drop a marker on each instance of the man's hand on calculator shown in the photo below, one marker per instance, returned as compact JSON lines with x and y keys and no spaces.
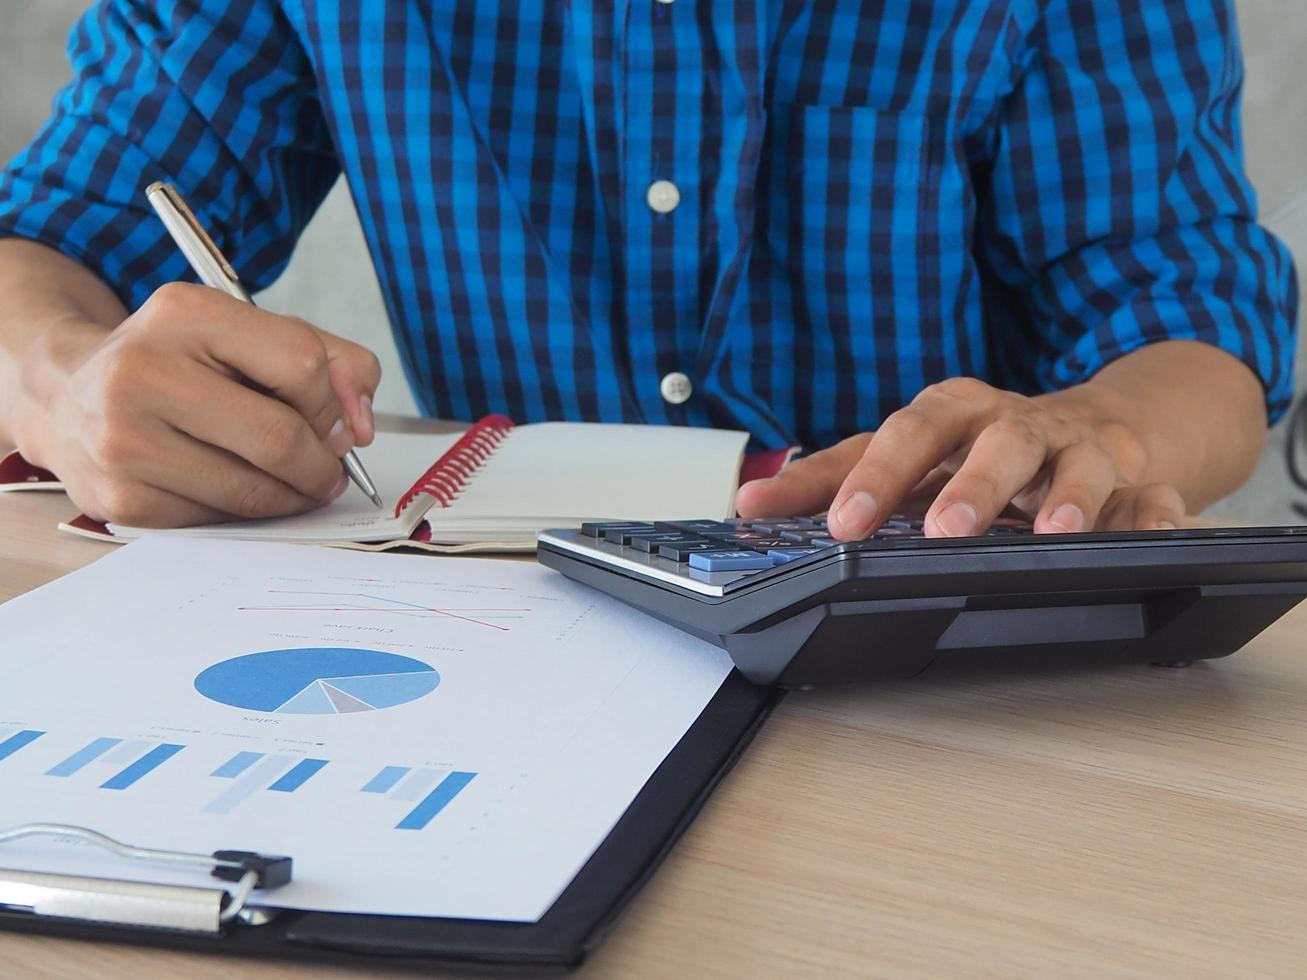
{"x":964,"y":453}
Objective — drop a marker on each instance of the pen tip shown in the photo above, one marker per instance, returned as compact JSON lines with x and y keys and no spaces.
{"x":376,"y":499}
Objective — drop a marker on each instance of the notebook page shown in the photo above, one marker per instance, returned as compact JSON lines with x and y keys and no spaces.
{"x":564,"y":472}
{"x":394,"y":461}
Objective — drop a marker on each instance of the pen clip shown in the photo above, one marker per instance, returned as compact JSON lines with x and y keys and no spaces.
{"x":200,"y":250}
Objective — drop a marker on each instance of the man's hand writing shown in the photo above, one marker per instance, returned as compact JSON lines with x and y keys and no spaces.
{"x":199,"y":408}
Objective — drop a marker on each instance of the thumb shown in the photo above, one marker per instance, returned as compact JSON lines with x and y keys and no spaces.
{"x":355,"y":374}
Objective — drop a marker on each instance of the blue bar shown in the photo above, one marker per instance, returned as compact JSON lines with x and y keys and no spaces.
{"x":127,"y":752}
{"x":416,"y":786}
{"x":385,"y":780}
{"x":15,"y":742}
{"x":82,"y":756}
{"x":243,"y":787}
{"x":237,"y":764}
{"x":436,"y":800}
{"x":143,"y":766}
{"x":298,"y":776}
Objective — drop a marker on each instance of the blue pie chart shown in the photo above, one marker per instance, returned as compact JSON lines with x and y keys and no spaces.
{"x":317,"y":681}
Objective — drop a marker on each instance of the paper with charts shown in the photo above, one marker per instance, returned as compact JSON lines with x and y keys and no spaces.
{"x":424,"y":736}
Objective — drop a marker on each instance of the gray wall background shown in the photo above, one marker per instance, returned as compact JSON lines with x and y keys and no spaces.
{"x":331,"y":282}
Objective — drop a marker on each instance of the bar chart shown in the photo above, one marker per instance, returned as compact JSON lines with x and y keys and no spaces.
{"x":251,"y":773}
{"x":425,"y":791}
{"x":431,"y":789}
{"x":131,"y":761}
{"x":419,"y":793}
{"x":12,"y":740}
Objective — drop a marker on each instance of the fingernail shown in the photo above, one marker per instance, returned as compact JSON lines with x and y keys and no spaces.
{"x":1067,"y":517}
{"x":1163,"y":526}
{"x":856,"y":515}
{"x":337,"y":490}
{"x":367,"y":423}
{"x":957,"y":520}
{"x":340,"y":440}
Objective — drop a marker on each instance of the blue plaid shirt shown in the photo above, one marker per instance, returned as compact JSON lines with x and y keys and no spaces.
{"x":860,"y":198}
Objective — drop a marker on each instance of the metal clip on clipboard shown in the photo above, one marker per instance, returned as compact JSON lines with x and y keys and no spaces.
{"x":121,"y":902}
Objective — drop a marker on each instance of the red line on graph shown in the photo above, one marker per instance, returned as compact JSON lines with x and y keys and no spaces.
{"x":414,"y":607}
{"x":385,"y":609}
{"x":358,"y":595}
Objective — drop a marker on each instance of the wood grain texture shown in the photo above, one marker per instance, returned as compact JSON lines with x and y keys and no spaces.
{"x":1131,"y":822}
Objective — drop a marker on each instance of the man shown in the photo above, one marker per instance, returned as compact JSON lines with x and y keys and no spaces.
{"x":981,"y":253}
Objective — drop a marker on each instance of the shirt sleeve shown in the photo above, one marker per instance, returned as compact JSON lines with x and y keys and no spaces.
{"x":215,"y":96}
{"x":1117,"y":212}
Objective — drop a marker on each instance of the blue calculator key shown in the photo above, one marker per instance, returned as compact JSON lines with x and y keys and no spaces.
{"x":729,"y":561}
{"x":822,"y":542}
{"x":781,"y":556}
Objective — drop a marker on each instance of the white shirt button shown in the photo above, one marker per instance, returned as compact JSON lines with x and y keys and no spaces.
{"x":675,"y":388}
{"x":663,"y":196}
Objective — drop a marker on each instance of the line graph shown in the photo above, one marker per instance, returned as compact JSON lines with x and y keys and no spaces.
{"x":491,"y":617}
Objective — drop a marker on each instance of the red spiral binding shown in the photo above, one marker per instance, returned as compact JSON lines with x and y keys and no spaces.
{"x":449,"y":474}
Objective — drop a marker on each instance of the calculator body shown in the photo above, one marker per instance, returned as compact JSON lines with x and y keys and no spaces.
{"x":898,"y":606}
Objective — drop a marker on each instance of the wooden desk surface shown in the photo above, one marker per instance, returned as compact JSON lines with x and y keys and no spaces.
{"x":1135,"y":822}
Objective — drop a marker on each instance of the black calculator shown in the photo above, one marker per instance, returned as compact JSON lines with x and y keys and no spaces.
{"x":795,"y":607}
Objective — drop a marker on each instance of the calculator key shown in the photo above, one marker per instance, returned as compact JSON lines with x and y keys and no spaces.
{"x":764,"y":544}
{"x":596,"y":529}
{"x":729,"y":561}
{"x":782,"y":556}
{"x":897,"y":532}
{"x":803,"y":537}
{"x":776,"y":527}
{"x":623,"y":535}
{"x":736,"y":535}
{"x":698,"y":527}
{"x":681,"y":552}
{"x":652,"y":542}
{"x":822,"y":542}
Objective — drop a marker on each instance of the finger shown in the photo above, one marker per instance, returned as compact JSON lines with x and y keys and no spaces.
{"x":1005,"y":457}
{"x":1159,"y":507}
{"x":284,"y":356}
{"x":267,"y":434}
{"x":920,"y":497}
{"x":911,"y":443}
{"x":1083,"y":477}
{"x":1156,"y":506}
{"x":220,"y":481}
{"x":135,"y":504}
{"x":355,"y":373}
{"x":805,"y":486}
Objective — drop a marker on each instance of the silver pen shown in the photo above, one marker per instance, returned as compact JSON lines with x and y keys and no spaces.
{"x":216,"y":272}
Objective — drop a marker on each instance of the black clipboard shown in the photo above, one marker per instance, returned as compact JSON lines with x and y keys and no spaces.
{"x":558,"y":942}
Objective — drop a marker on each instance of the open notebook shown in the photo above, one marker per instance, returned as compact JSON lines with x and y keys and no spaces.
{"x":495,"y":486}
